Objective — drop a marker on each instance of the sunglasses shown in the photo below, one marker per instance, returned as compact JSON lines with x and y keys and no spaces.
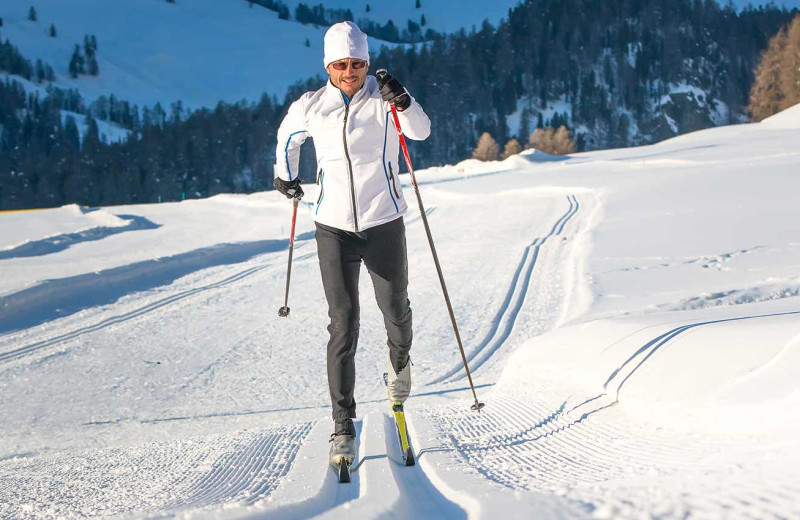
{"x":355,"y":64}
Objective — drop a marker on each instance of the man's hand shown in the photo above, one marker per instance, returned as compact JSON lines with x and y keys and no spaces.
{"x":392,"y":91}
{"x":291,"y":189}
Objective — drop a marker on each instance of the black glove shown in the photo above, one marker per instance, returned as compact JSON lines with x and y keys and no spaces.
{"x":291,"y":189}
{"x":392,"y":91}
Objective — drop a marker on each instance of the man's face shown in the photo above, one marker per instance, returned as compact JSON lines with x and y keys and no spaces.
{"x":348,"y":74}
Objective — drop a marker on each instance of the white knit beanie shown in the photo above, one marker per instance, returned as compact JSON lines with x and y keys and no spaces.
{"x":345,"y":40}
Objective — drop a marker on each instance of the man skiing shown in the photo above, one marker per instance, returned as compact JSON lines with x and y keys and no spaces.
{"x":358,"y":211}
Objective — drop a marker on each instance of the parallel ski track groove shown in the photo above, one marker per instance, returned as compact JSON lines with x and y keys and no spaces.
{"x":23,"y":351}
{"x":240,"y":475}
{"x":114,"y":320}
{"x":573,"y":451}
{"x":241,"y":468}
{"x":508,"y":313}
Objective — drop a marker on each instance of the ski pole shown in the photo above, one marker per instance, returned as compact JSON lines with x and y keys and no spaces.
{"x":478,"y":405}
{"x":284,"y":311}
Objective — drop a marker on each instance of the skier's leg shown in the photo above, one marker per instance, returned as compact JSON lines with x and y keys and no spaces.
{"x":387,"y":261}
{"x":339,"y":263}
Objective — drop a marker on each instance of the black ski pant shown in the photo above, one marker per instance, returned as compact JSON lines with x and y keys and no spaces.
{"x":383,"y":251}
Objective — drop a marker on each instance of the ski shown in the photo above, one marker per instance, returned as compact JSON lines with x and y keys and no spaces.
{"x":342,"y":470}
{"x":402,"y":434}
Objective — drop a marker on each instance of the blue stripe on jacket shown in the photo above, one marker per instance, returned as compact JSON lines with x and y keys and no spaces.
{"x":286,"y":151}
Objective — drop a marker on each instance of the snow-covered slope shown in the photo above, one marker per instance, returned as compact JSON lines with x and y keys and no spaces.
{"x":788,"y":4}
{"x":201,"y":51}
{"x":631,"y":317}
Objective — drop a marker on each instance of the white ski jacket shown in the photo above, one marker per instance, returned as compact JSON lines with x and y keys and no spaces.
{"x":357,"y":153}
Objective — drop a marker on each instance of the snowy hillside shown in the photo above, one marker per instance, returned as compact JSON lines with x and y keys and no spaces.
{"x":201,"y":51}
{"x":632,"y":318}
{"x":788,"y":4}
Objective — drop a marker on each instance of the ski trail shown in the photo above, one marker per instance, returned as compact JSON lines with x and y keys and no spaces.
{"x":25,"y":350}
{"x":657,"y":343}
{"x":418,"y":217}
{"x":506,"y":317}
{"x":312,"y":488}
{"x":31,"y":348}
{"x":57,"y":298}
{"x":390,"y":489}
{"x":593,"y":454}
{"x":151,"y":479}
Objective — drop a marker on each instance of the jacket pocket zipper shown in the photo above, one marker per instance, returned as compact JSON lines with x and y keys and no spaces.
{"x":320,"y":176}
{"x":391,"y":176}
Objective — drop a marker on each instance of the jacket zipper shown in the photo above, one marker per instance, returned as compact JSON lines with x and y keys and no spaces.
{"x":322,"y":188}
{"x":391,"y":176}
{"x":349,"y":166}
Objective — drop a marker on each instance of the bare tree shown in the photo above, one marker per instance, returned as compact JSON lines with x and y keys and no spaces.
{"x":512,"y":148}
{"x":790,"y":65}
{"x":487,"y":148}
{"x":766,"y":94}
{"x":777,"y":75}
{"x":552,"y":141}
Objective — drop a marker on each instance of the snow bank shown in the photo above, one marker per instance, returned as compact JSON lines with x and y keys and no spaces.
{"x":789,"y":118}
{"x":716,"y":372}
{"x":27,"y":226}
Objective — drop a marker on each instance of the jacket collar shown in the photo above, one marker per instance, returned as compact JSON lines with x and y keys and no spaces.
{"x":334,"y":95}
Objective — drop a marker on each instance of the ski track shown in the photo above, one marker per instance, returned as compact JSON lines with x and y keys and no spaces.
{"x":151,"y":479}
{"x":404,"y":492}
{"x":511,"y":306}
{"x":657,"y":343}
{"x":25,"y":350}
{"x":121,"y":318}
{"x":582,"y":451}
{"x":574,"y":451}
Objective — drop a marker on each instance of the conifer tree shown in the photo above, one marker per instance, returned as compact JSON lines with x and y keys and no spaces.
{"x":77,"y":63}
{"x":52,"y":30}
{"x":487,"y":148}
{"x":418,"y":4}
{"x":94,"y":68}
{"x":40,"y":71}
{"x":32,"y":14}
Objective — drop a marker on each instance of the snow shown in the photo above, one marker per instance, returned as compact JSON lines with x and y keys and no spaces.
{"x":631,"y":317}
{"x":787,"y":4}
{"x":109,"y":132}
{"x":788,"y":119}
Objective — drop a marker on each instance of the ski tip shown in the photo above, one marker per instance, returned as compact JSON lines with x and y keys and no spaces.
{"x":344,"y":472}
{"x":410,"y":460}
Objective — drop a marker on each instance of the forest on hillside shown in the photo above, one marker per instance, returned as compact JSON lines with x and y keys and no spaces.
{"x":613,"y":73}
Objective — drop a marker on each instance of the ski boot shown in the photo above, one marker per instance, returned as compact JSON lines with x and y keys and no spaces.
{"x":343,"y":448}
{"x":398,"y":386}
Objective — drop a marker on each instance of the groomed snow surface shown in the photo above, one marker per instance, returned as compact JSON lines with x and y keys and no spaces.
{"x":631,"y":317}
